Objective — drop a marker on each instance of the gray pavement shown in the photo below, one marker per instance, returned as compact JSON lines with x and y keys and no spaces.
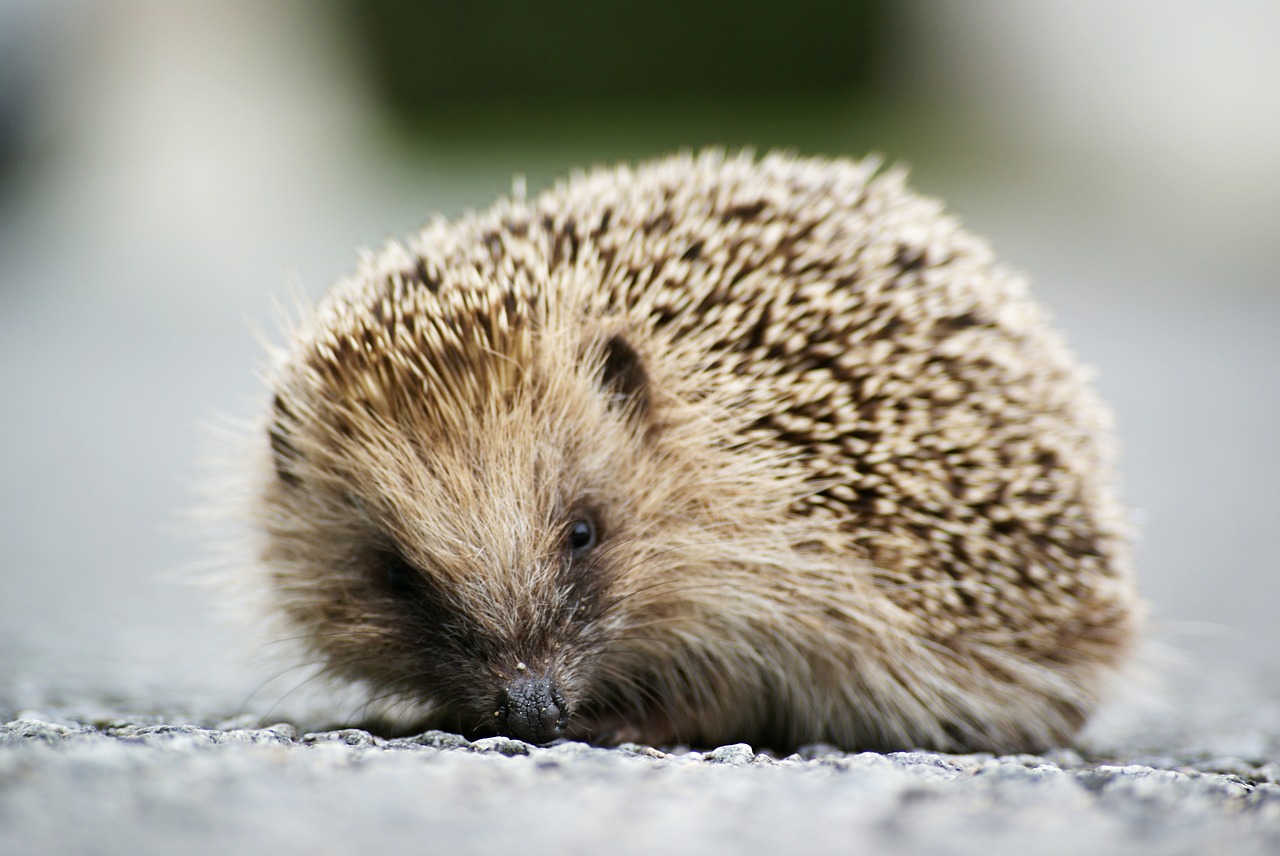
{"x":120,"y":787}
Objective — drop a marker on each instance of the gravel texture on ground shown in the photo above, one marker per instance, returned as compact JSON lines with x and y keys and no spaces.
{"x":145,"y":785}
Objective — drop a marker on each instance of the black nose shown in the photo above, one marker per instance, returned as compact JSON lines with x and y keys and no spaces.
{"x":531,"y":709}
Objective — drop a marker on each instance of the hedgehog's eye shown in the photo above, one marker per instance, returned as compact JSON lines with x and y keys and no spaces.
{"x":580,"y":536}
{"x":402,"y":577}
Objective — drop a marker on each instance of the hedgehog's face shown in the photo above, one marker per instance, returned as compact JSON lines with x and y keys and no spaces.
{"x":503,"y":572}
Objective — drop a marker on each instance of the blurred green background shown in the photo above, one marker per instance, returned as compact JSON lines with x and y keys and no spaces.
{"x":572,"y":80}
{"x":430,"y":55}
{"x":167,"y":170}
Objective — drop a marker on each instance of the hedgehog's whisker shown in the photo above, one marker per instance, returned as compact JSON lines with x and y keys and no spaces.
{"x":320,"y":675}
{"x":277,"y":675}
{"x":308,"y":664}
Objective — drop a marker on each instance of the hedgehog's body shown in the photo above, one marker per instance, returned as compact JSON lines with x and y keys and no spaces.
{"x":708,"y":451}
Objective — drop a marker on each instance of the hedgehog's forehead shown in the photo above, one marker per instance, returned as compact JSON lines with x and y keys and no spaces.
{"x":404,"y":351}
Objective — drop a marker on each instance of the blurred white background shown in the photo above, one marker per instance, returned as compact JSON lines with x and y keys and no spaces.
{"x":170,"y":168}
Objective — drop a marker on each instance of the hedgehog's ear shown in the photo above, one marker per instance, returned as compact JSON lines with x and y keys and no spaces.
{"x":283,"y":450}
{"x":623,"y":377}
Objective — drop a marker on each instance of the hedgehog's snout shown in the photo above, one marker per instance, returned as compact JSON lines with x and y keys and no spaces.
{"x":531,"y":709}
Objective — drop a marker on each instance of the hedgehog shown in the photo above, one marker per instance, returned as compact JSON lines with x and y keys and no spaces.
{"x":718,"y":448}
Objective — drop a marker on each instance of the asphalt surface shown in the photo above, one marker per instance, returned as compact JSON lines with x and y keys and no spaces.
{"x":141,"y":787}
